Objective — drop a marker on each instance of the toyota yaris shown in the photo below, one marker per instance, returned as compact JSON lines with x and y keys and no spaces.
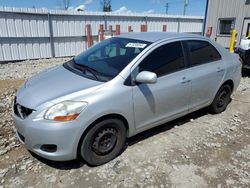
{"x":120,"y":87}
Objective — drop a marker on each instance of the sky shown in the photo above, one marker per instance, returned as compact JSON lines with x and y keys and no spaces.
{"x":194,"y":8}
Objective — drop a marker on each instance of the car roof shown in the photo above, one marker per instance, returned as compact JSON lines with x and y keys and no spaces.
{"x":155,"y":36}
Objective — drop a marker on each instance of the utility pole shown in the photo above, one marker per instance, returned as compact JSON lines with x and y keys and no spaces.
{"x":185,"y":7}
{"x":167,"y":6}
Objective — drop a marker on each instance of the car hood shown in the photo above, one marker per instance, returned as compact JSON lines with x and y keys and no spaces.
{"x":51,"y":84}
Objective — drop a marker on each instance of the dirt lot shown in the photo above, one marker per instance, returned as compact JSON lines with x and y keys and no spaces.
{"x":198,"y":150}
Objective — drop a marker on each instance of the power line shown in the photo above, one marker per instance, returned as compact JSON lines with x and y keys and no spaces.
{"x":175,"y":1}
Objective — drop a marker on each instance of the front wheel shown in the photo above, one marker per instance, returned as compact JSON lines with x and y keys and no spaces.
{"x":221,"y":100}
{"x":103,"y":142}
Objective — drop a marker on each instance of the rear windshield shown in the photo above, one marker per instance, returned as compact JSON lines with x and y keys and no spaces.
{"x":107,"y":59}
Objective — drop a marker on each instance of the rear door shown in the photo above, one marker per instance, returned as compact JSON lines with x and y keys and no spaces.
{"x":206,"y":72}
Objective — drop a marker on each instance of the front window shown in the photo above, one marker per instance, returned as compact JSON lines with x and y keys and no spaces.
{"x":166,"y":59}
{"x":107,"y":59}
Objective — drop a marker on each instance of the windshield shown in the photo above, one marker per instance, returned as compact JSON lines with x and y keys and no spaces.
{"x":107,"y":59}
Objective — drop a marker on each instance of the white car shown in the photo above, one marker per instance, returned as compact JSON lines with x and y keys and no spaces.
{"x":244,"y":52}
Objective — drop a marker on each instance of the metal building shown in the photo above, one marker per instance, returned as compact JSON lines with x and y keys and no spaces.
{"x":27,"y":33}
{"x":225,"y":15}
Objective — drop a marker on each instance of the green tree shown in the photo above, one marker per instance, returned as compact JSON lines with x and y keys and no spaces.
{"x":106,"y":5}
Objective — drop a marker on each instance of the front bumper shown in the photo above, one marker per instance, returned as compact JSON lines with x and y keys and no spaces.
{"x":36,"y":133}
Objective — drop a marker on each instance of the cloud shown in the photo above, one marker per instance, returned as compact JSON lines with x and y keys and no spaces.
{"x":83,"y":7}
{"x":123,"y":9}
{"x":86,"y":2}
{"x":80,"y":8}
{"x":151,"y":11}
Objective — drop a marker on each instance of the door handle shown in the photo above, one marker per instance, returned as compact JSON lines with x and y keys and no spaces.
{"x":184,"y":81}
{"x":220,"y":69}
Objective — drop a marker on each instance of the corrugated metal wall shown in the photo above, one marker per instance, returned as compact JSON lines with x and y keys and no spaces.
{"x":218,"y":9}
{"x":27,"y":33}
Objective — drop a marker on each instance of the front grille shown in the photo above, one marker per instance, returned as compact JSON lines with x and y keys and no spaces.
{"x":21,"y":111}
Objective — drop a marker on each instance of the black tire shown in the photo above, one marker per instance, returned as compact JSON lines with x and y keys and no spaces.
{"x":221,"y":100}
{"x":103,"y":142}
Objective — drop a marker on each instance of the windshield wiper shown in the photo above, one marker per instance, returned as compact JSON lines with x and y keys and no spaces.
{"x":81,"y":67}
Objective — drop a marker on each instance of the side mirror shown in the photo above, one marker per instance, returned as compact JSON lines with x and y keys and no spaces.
{"x":146,"y":77}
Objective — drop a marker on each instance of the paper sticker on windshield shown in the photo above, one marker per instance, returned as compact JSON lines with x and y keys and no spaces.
{"x":136,"y":45}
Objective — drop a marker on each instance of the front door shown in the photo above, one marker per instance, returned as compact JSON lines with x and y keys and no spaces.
{"x":154,"y":103}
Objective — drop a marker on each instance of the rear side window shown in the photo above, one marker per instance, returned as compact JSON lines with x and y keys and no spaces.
{"x":202,"y":52}
{"x":166,"y":59}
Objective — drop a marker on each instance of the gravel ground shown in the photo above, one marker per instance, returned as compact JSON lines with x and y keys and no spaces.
{"x":25,"y":69}
{"x":198,"y":150}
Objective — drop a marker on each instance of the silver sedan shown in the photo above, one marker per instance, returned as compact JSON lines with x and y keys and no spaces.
{"x":120,"y":87}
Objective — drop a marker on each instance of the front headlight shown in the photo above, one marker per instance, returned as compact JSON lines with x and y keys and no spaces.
{"x":65,"y":111}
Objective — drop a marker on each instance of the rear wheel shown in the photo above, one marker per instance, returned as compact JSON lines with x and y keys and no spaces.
{"x":221,"y":100}
{"x":103,"y":142}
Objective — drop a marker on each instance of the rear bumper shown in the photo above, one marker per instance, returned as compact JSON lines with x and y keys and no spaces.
{"x":237,"y":78}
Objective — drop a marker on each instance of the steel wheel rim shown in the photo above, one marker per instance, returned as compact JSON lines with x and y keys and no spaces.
{"x":222,"y":98}
{"x":104,"y":141}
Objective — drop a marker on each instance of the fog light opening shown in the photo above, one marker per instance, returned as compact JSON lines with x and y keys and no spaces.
{"x":49,"y":148}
